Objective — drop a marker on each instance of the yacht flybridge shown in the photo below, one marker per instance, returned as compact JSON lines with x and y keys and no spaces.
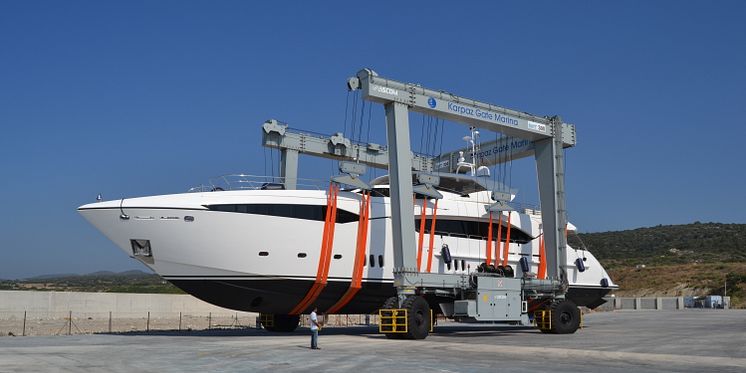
{"x":279,"y":246}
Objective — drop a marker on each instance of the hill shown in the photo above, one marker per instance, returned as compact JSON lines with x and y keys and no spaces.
{"x":671,"y":244}
{"x":673,"y":260}
{"x":102,"y":281}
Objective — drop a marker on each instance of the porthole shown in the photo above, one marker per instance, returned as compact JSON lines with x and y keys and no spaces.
{"x":337,"y":256}
{"x":189,"y":218}
{"x":263,"y":253}
{"x":301,"y":255}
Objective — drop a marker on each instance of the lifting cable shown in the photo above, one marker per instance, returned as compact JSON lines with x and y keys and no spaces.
{"x":327,"y":241}
{"x":359,"y":262}
{"x":422,"y":233}
{"x":432,"y":236}
{"x":488,"y":250}
{"x":506,"y":248}
{"x":497,"y":241}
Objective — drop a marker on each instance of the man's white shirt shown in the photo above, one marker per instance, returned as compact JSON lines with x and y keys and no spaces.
{"x":315,"y":321}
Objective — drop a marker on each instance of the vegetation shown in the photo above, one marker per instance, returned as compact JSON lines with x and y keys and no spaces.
{"x":674,"y":260}
{"x":124,"y":282}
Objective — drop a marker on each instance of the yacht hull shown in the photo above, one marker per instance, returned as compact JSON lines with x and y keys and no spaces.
{"x":253,"y":261}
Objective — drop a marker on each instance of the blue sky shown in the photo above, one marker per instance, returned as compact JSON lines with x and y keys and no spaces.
{"x":139,"y":98}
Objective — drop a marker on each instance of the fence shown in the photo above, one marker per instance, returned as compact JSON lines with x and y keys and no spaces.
{"x":30,"y":323}
{"x":59,"y":313}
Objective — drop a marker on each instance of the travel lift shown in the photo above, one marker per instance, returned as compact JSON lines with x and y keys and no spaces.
{"x":479,"y":296}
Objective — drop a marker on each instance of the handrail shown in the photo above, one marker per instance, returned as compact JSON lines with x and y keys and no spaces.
{"x":253,"y":182}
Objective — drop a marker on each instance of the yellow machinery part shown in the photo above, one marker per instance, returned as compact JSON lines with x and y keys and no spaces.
{"x":392,"y":320}
{"x":543,"y":319}
{"x":267,"y":320}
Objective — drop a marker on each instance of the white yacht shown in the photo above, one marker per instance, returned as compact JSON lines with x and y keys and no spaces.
{"x":257,"y":248}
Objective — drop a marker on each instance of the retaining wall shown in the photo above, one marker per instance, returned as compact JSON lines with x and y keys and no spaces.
{"x":54,"y":303}
{"x":643,"y":303}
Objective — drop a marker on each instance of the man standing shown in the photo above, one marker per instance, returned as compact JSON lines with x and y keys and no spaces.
{"x":315,"y":327}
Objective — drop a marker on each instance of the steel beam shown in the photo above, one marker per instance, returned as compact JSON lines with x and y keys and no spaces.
{"x":400,"y":176}
{"x":551,"y":174}
{"x":289,"y":168}
{"x":502,"y":150}
{"x":279,"y":136}
{"x":459,"y":109}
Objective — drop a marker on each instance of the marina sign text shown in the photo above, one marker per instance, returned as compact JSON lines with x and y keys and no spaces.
{"x":481,"y":114}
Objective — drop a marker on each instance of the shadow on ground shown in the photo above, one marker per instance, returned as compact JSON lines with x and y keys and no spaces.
{"x":367,"y":331}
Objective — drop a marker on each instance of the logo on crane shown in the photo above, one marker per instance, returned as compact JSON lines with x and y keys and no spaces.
{"x":386,"y":90}
{"x":431,"y":102}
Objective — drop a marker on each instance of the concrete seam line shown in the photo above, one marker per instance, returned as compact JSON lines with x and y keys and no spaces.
{"x":596,"y":354}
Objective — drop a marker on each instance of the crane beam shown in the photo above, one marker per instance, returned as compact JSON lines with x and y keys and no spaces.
{"x":292,"y":142}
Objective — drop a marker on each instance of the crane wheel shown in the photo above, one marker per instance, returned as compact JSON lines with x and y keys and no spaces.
{"x":565,"y":317}
{"x":418,"y":317}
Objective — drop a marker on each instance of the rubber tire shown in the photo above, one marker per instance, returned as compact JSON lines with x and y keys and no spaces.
{"x":565,"y":317}
{"x":418,"y":317}
{"x":392,"y":302}
{"x":284,"y":323}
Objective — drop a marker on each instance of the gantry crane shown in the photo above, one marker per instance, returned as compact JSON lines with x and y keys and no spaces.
{"x":476,"y":297}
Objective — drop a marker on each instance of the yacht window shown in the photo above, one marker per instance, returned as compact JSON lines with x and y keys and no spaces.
{"x":448,"y":265}
{"x":372,"y":261}
{"x":455,"y":265}
{"x":263,"y":253}
{"x":380,"y":192}
{"x":307,"y":212}
{"x":301,"y":255}
{"x":380,"y":261}
{"x":463,"y":264}
{"x":471,"y":229}
{"x":224,"y":208}
{"x":337,"y":256}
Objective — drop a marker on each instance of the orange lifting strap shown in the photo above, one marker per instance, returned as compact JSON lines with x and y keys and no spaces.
{"x":359,"y":263}
{"x":542,"y":272}
{"x":432,"y":236}
{"x":499,"y":235}
{"x":506,"y":248}
{"x":488,"y":249}
{"x":422,"y":233}
{"x":327,"y":241}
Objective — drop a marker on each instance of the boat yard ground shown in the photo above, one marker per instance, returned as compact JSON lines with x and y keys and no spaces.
{"x":621,"y":341}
